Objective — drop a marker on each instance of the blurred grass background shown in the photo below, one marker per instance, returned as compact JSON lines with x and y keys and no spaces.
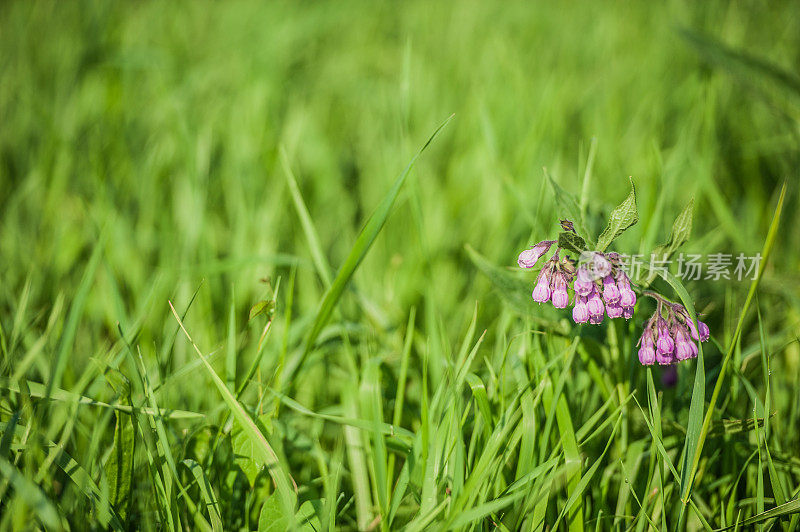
{"x":152,"y":131}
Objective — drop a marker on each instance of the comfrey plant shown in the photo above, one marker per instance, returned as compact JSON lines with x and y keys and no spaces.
{"x":601,"y":287}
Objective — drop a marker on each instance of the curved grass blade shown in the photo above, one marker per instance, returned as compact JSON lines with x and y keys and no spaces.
{"x":37,"y":389}
{"x":363,"y":243}
{"x":789,"y":508}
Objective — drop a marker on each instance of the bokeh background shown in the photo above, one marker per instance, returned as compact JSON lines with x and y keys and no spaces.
{"x":153,"y":131}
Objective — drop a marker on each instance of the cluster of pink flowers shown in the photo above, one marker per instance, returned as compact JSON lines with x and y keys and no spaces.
{"x":600,"y":286}
{"x":599,"y":283}
{"x":669,"y":340}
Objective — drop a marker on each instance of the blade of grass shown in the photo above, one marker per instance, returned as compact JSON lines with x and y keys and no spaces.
{"x":767,"y":249}
{"x":33,"y":496}
{"x":359,"y":250}
{"x":75,"y":313}
{"x":207,"y":491}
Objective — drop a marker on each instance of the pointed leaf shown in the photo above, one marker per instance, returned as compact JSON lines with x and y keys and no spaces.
{"x":571,"y":242}
{"x":681,"y":230}
{"x":623,"y":217}
{"x":567,"y":207}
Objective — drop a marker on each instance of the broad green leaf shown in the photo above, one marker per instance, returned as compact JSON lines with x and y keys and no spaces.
{"x":273,"y":517}
{"x":694,"y":425}
{"x":567,"y":207}
{"x":244,"y":454}
{"x":571,"y":242}
{"x":357,"y":253}
{"x":621,"y":218}
{"x":307,"y":517}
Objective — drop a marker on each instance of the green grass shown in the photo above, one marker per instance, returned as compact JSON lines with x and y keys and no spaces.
{"x":166,"y":167}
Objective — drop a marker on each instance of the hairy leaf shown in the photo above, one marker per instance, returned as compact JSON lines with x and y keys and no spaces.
{"x":623,"y":217}
{"x":571,"y":242}
{"x":567,"y":207}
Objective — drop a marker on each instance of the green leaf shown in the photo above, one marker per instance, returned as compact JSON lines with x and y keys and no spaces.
{"x":244,"y":454}
{"x":307,"y":516}
{"x":623,"y":217}
{"x":681,"y":230}
{"x":273,"y":517}
{"x":567,"y":206}
{"x":571,"y":242}
{"x":119,"y":468}
{"x":359,"y":250}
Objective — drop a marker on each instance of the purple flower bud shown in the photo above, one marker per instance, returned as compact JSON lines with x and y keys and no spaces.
{"x":700,"y":333}
{"x":580,"y":313}
{"x":647,"y":355}
{"x":560,"y":297}
{"x":705,"y":332}
{"x":595,"y":305}
{"x":610,"y":290}
{"x":622,"y":280}
{"x":694,"y":349}
{"x":627,"y":312}
{"x":541,"y":292}
{"x":627,"y":297}
{"x":596,"y":320}
{"x":665,"y":344}
{"x":683,"y":345}
{"x":664,"y":358}
{"x":528,"y":258}
{"x":614,"y":310}
{"x":583,"y":282}
{"x":692,"y":329}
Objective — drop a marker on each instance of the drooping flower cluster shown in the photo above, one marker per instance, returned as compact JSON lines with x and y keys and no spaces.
{"x":670,"y":339}
{"x":598,"y":280}
{"x":601,"y":287}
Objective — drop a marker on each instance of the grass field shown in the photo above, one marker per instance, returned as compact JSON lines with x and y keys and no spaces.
{"x":229,"y":159}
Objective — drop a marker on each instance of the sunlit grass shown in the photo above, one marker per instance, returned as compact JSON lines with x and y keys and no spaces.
{"x":214,"y":156}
